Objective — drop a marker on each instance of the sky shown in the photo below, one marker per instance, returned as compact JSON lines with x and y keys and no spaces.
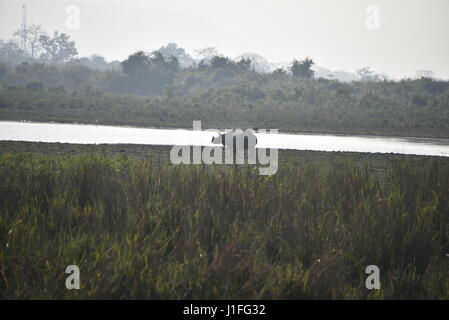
{"x":397,"y":37}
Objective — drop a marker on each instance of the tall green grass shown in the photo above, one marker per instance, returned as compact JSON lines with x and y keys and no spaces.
{"x":139,"y":229}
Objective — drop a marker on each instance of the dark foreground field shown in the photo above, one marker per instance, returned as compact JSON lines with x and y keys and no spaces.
{"x":138,"y":227}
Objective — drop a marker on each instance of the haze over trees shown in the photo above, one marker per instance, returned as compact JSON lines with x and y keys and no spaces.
{"x":40,"y":46}
{"x":169,"y":87}
{"x":147,"y":73}
{"x":57,"y":48}
{"x":303,"y":69}
{"x":173,"y":50}
{"x":32,"y":36}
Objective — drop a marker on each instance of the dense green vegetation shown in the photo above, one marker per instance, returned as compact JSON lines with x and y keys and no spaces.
{"x":140,"y":228}
{"x":375,"y":163}
{"x":226,"y":96}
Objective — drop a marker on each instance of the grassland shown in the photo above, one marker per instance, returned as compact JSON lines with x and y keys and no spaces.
{"x":138,"y":227}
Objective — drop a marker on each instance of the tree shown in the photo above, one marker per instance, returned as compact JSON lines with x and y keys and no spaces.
{"x":166,"y":65}
{"x":366,"y":74}
{"x":11,"y":52}
{"x":279,"y":72}
{"x":95,"y":61}
{"x":207,"y":54}
{"x":32,"y":35}
{"x":244,"y":64}
{"x":259,"y":63}
{"x":136,"y":61}
{"x":172,"y":50}
{"x":148,"y":74}
{"x":425,"y":74}
{"x":219,"y":62}
{"x":98,"y":62}
{"x":303,"y":69}
{"x":57,"y":49}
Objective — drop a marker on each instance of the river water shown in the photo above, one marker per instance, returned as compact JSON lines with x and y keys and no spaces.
{"x":99,"y":134}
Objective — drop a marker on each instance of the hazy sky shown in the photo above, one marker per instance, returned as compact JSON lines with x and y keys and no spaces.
{"x":411,"y":34}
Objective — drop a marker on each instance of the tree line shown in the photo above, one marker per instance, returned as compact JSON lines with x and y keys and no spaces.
{"x":167,"y":87}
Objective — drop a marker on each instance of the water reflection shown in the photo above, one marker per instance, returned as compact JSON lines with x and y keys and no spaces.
{"x":93,"y":134}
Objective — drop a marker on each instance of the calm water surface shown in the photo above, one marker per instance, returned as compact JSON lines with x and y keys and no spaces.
{"x":93,"y":134}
